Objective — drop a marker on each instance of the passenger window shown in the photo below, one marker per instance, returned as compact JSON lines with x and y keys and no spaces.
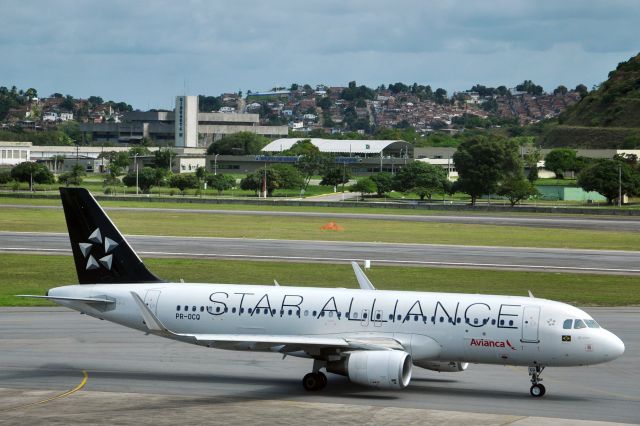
{"x":201,"y":308}
{"x":306,"y":313}
{"x":390,"y":317}
{"x":364,"y":316}
{"x":567,"y":324}
{"x":579,"y":324}
{"x":193,"y":309}
{"x":330,"y":314}
{"x":178,"y":308}
{"x":355,"y":315}
{"x":377,"y":316}
{"x":217,"y":308}
{"x":315,"y":313}
{"x":399,"y":317}
{"x":290,"y":312}
{"x":233,"y":310}
{"x":186,"y":308}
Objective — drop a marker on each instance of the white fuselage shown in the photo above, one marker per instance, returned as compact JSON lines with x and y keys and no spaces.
{"x":465,"y":327}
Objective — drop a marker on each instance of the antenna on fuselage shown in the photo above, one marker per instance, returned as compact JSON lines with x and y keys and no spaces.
{"x":530,"y":294}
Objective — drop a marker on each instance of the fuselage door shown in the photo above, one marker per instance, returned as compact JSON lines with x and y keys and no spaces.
{"x":151,"y":300}
{"x":530,"y":323}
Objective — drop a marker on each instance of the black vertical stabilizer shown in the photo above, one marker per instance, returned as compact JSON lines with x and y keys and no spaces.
{"x":100,"y":252}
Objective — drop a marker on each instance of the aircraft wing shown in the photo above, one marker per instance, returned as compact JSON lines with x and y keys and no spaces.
{"x":280,"y":343}
{"x":363,"y":281}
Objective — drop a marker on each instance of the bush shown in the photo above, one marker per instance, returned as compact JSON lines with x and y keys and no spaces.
{"x":23,"y":172}
{"x":5,"y":177}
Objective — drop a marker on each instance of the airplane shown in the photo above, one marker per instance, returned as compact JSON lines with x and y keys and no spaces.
{"x":374,"y":337}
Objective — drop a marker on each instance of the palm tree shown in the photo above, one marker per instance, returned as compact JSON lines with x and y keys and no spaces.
{"x":58,"y":160}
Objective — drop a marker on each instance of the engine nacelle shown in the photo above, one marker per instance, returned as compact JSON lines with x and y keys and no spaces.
{"x":380,"y":369}
{"x":443,"y":366}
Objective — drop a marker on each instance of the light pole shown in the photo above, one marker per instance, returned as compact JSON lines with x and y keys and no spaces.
{"x":135,"y":158}
{"x":619,"y":185}
{"x":215,"y":164}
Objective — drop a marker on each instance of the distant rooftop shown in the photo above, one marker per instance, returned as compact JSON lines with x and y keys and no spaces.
{"x":336,"y":146}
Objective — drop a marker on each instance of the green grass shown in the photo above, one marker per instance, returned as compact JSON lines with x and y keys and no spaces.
{"x":308,"y":228}
{"x":32,"y":274}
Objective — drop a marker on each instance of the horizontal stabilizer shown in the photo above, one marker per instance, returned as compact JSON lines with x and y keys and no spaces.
{"x":70,"y":299}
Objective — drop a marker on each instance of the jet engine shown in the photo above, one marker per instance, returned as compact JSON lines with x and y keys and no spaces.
{"x":381,"y":369}
{"x":443,"y":366}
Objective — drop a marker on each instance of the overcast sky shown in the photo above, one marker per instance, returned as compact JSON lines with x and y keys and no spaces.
{"x":146,"y":52}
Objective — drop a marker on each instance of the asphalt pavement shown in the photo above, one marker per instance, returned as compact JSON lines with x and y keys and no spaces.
{"x":47,"y":349}
{"x":511,"y":258}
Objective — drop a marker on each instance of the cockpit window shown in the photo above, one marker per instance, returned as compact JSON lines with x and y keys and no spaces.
{"x":592,"y":323}
{"x":567,"y":324}
{"x":579,"y":324}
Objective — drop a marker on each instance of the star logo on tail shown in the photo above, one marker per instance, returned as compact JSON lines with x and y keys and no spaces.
{"x":95,"y":239}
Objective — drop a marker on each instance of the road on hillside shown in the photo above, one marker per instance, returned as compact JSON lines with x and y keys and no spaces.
{"x":616,"y":224}
{"x":514,"y":258}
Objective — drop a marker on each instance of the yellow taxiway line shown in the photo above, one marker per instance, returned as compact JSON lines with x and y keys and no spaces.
{"x":53,"y":398}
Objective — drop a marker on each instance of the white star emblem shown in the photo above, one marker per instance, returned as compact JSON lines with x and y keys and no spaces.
{"x":96,"y":239}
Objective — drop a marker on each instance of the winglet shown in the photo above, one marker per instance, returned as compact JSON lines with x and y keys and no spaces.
{"x":275,"y":282}
{"x":152,"y":322}
{"x":364,"y":282}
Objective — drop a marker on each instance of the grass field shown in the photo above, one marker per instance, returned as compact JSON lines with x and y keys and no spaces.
{"x":308,"y":228}
{"x":34,"y":274}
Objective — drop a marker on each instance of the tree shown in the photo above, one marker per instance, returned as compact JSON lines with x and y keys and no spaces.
{"x":146,"y":179}
{"x":74,"y":177}
{"x":163,"y":158}
{"x":334,"y":176}
{"x":95,"y":100}
{"x":241,"y":143}
{"x":30,"y":171}
{"x":201,"y":176}
{"x":482,"y":163}
{"x":531,"y":160}
{"x":582,"y":89}
{"x":603,"y":177}
{"x":516,"y":188}
{"x":529,"y":87}
{"x":117,"y":162}
{"x":221,"y":182}
{"x":364,"y":186}
{"x":310,"y":160}
{"x":253,"y":181}
{"x":141,"y":150}
{"x":421,"y":178}
{"x":383,"y":181}
{"x":560,"y":160}
{"x":560,"y":90}
{"x":288,"y":177}
{"x":182,"y":181}
{"x":5,"y":177}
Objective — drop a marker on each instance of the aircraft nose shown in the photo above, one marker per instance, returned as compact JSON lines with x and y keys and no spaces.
{"x":614,"y":346}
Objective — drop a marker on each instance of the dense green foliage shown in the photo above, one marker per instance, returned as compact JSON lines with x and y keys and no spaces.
{"x":616,"y":103}
{"x":147,"y":177}
{"x":606,"y":177}
{"x":220,"y":182}
{"x":482,"y":163}
{"x":28,"y":170}
{"x":421,"y":178}
{"x":241,"y":143}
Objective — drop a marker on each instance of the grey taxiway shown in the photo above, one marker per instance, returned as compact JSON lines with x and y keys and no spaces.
{"x":520,"y":258}
{"x":47,"y":349}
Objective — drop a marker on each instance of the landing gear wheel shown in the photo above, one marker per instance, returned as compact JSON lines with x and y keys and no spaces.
{"x":537,"y":390}
{"x":314,"y":381}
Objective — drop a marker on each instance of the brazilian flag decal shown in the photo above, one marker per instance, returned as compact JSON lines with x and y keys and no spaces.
{"x":566,"y":338}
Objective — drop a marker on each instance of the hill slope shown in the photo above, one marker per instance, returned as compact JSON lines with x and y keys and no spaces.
{"x":608,"y":117}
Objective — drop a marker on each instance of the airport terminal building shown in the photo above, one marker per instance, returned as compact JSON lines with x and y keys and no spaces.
{"x":185,"y":126}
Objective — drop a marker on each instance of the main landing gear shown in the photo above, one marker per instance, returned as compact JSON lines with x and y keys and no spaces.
{"x":537,"y":389}
{"x":315,"y":380}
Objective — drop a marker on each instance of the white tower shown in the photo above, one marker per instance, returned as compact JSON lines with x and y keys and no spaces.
{"x":186,"y":117}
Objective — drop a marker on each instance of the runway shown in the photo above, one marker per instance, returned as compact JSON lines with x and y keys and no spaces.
{"x":616,"y":224}
{"x":46,"y":349}
{"x":512,"y":258}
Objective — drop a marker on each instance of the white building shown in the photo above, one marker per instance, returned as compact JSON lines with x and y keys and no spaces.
{"x":13,"y":153}
{"x":186,"y":121}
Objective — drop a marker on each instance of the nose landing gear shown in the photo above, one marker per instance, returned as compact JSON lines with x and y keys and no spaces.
{"x":537,"y":389}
